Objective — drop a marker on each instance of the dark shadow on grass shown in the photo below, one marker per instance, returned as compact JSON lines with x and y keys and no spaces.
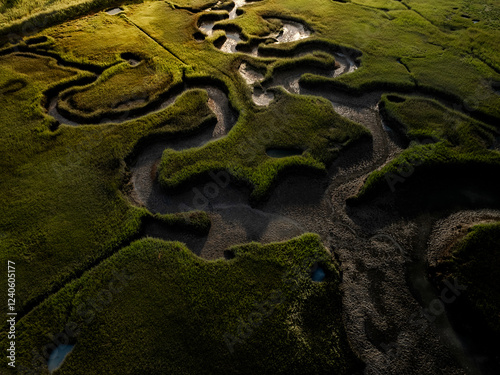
{"x":155,"y":228}
{"x":12,"y":86}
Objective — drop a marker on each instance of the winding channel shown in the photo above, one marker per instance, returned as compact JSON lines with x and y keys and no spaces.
{"x":298,"y":204}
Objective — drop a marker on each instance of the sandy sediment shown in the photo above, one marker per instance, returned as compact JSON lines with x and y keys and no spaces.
{"x":447,"y":231}
{"x":383,"y":255}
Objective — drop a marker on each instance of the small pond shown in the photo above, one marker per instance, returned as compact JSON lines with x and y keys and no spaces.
{"x":114,"y":11}
{"x":58,"y":355}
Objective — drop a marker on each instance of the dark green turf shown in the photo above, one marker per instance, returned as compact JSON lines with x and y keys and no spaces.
{"x":62,"y":202}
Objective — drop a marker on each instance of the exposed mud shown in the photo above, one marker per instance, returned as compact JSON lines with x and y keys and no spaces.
{"x":384,"y":256}
{"x":385,"y":285}
{"x":291,"y":31}
{"x":262,"y":98}
{"x":237,"y":4}
{"x":249,"y":74}
{"x":232,"y":39}
{"x":289,"y":79}
{"x":298,"y":204}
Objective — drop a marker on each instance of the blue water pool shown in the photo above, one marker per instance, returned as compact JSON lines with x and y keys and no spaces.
{"x":57,"y":356}
{"x":318,"y":275}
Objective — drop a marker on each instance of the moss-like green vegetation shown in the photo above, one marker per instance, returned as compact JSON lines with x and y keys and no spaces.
{"x":16,"y":10}
{"x":419,"y":119}
{"x":442,"y":142}
{"x":111,"y":36}
{"x":459,"y":77}
{"x":475,"y":262}
{"x":61,"y":190}
{"x":143,"y":79}
{"x":450,"y":67}
{"x":193,"y":5}
{"x":38,"y":68}
{"x":197,"y":221}
{"x":290,"y":121}
{"x":164,"y":306}
{"x":64,"y":204}
{"x":457,"y":14}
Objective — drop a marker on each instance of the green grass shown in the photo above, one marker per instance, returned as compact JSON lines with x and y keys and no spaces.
{"x":13,"y":10}
{"x":172,"y":307}
{"x":306,"y":123}
{"x":62,"y":202}
{"x":460,"y":64}
{"x":441,"y":142}
{"x":419,"y":119}
{"x":320,"y":61}
{"x":194,"y":5}
{"x":463,"y":77}
{"x":449,"y":13}
{"x":110,"y":36}
{"x":63,"y":208}
{"x":126,"y":83}
{"x":39,"y":69}
{"x":389,"y":76}
{"x":380,"y":4}
{"x":29,"y":16}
